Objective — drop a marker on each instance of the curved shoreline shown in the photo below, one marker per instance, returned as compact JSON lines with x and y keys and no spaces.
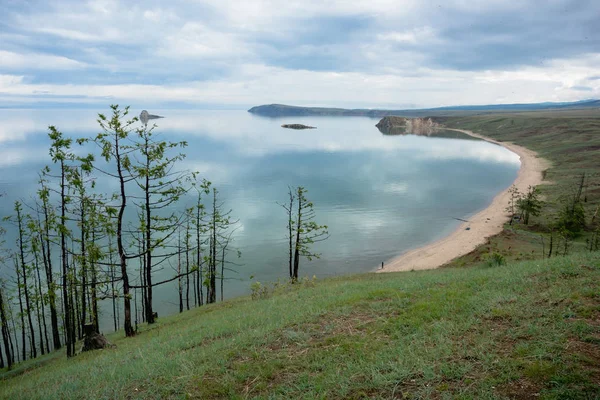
{"x":486,"y":223}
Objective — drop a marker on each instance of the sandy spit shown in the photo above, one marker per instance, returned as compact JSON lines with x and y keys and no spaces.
{"x":484,"y":224}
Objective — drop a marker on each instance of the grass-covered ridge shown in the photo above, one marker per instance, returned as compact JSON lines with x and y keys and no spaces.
{"x":517,"y":330}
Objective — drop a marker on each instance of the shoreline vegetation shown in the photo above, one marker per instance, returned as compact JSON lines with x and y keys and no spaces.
{"x":481,"y":226}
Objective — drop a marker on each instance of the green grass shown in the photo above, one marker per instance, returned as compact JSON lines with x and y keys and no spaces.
{"x":508,"y":331}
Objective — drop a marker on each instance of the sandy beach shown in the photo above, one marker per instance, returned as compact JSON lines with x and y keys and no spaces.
{"x":484,"y":224}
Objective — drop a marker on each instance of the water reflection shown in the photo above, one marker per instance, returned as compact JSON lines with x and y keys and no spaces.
{"x":379,"y":194}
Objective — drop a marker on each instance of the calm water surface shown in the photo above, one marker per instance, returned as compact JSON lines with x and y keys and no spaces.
{"x":380,"y":195}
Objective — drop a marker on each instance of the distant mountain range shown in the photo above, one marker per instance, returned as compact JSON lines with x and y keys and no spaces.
{"x":282,"y":110}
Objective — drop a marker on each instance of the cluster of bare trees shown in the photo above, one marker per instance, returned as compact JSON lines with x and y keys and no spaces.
{"x":77,"y":244}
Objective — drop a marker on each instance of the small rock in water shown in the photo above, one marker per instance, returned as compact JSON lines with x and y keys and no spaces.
{"x":298,"y":126}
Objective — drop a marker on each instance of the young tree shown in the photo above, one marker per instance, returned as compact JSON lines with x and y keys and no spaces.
{"x":48,"y":224}
{"x":162,"y":186}
{"x":572,"y":215}
{"x":38,"y":294}
{"x":219,"y":231}
{"x":289,"y":209}
{"x":60,"y":153}
{"x":24,"y":270}
{"x":112,"y":142}
{"x":515,"y":196}
{"x":5,"y":328}
{"x":202,"y":188}
{"x":302,"y":230}
{"x":179,"y":274}
{"x":530,"y":204}
{"x":4,"y":324}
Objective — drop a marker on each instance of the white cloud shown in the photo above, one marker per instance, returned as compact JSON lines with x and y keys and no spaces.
{"x":199,"y":41}
{"x":258,"y":84}
{"x":11,"y":60}
{"x":413,"y":36}
{"x":347,"y":53}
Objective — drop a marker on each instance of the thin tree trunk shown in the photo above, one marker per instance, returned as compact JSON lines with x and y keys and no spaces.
{"x":187,"y":266}
{"x":39,"y":303}
{"x":5,"y":332}
{"x":149,"y":310}
{"x":135,"y":305}
{"x":112,"y":284}
{"x":297,"y":246}
{"x":76,"y":301}
{"x":291,"y":232}
{"x":213,"y":267}
{"x":195,"y":290}
{"x":144,"y":301}
{"x":16,"y":338}
{"x":21,"y":313}
{"x":47,"y":259}
{"x":83,"y":270}
{"x":199,"y":274}
{"x":25,"y":286}
{"x":1,"y":359}
{"x":179,"y":273}
{"x":122,"y":256}
{"x":222,"y":271}
{"x":94,"y":293}
{"x":65,"y":267}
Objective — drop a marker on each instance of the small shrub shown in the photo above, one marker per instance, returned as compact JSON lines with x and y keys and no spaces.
{"x":495,"y":259}
{"x":259,"y":291}
{"x":309,"y":282}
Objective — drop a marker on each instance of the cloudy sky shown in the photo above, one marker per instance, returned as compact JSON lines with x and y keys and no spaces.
{"x":225,"y":53}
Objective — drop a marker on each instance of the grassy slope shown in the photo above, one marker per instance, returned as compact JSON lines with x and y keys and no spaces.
{"x":570,"y":140}
{"x":520,"y":329}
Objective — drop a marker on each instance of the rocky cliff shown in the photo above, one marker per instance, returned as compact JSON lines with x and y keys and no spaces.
{"x":406,"y":126}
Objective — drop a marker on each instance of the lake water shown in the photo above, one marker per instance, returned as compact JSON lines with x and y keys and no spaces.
{"x":380,"y":195}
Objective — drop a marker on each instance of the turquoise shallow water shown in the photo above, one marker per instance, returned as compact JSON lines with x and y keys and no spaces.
{"x":380,"y":195}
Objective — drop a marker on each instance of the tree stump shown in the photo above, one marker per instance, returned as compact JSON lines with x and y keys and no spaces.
{"x":93,"y":340}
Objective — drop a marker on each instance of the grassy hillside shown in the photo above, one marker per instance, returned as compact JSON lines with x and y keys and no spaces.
{"x":524,"y":330}
{"x":570,"y":140}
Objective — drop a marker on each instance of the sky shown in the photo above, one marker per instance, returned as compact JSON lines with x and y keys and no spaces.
{"x":344,"y":53}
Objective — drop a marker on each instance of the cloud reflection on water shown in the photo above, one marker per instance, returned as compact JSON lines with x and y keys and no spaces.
{"x":248,"y":135}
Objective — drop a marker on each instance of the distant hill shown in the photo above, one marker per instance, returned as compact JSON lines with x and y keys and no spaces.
{"x":282,"y":110}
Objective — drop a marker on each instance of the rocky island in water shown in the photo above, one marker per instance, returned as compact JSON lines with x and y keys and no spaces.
{"x":298,"y":126}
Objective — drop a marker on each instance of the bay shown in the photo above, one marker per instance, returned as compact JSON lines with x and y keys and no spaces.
{"x":380,"y":195}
